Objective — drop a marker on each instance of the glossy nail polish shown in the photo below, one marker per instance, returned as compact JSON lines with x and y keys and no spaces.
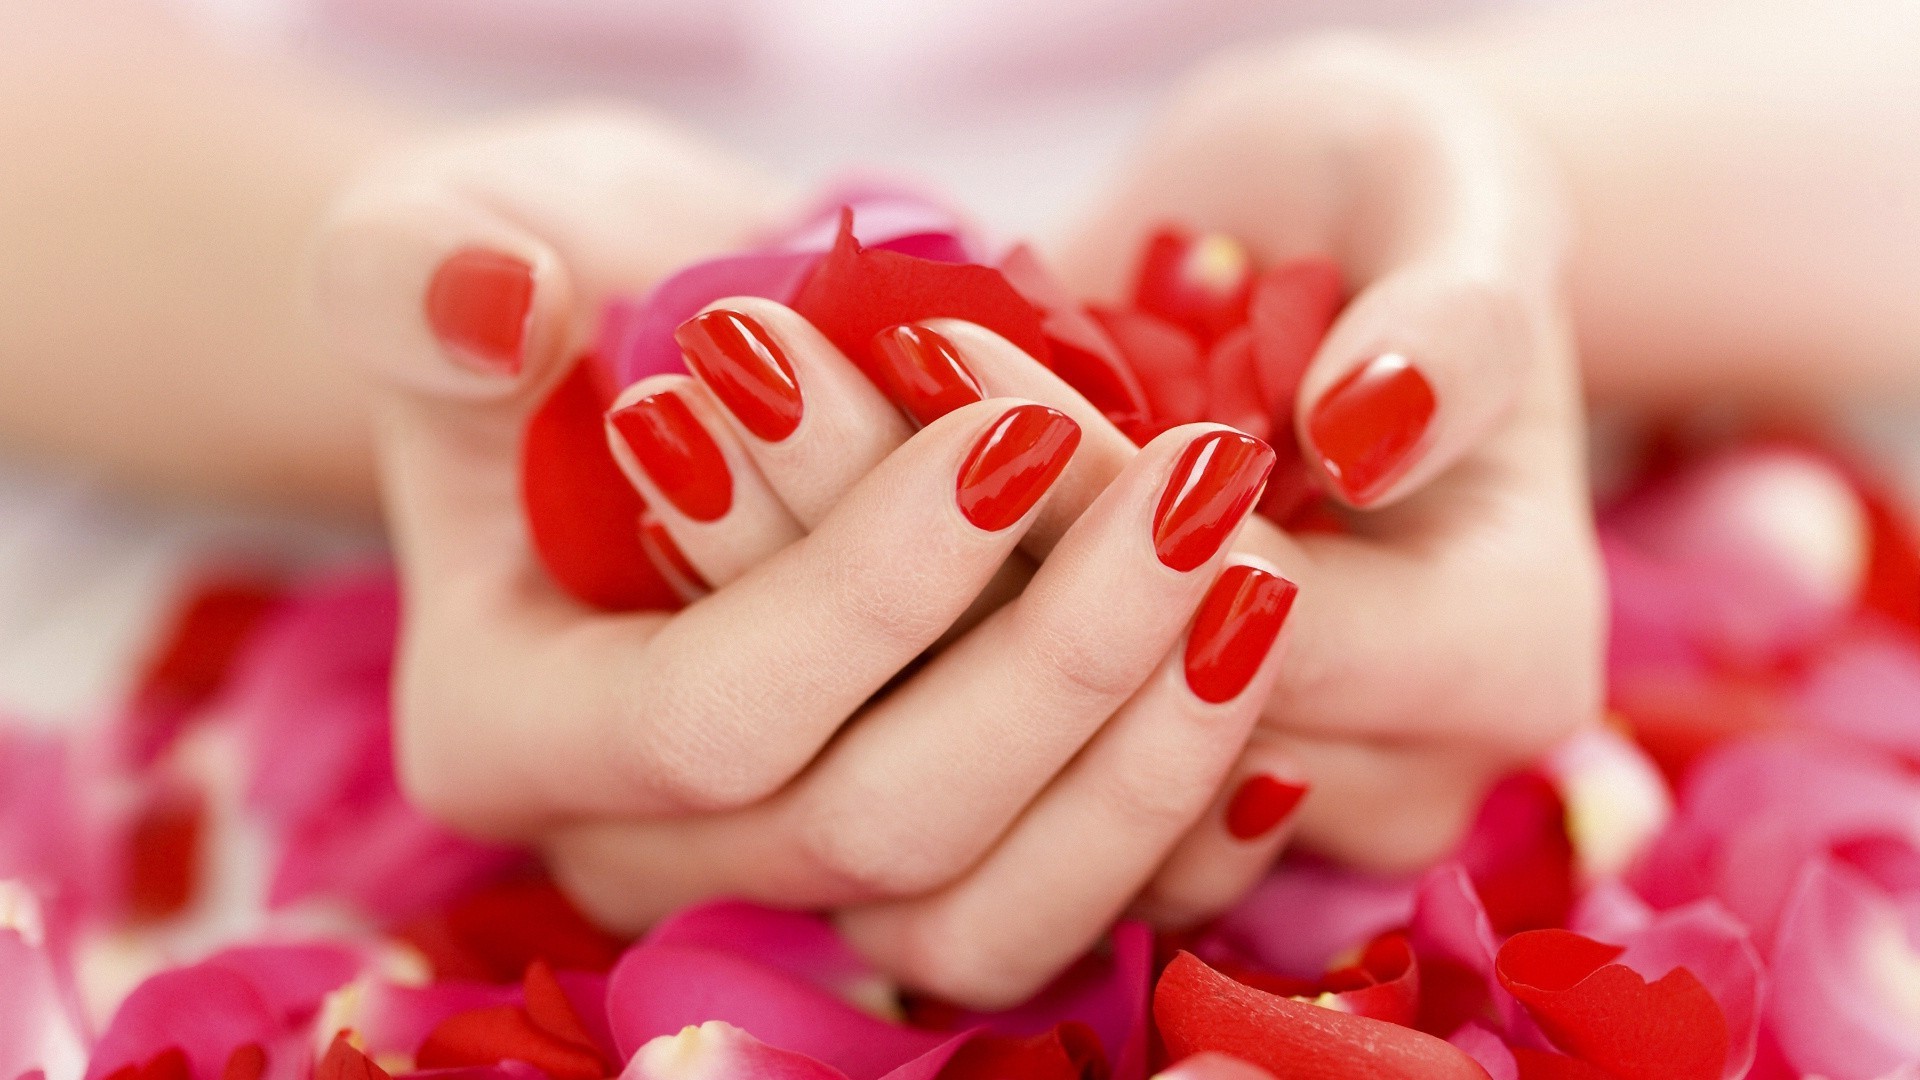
{"x":666,"y":556}
{"x":1234,"y":630}
{"x":745,"y":368}
{"x":923,"y":372}
{"x":477,"y":306}
{"x":1367,"y":427}
{"x":1013,"y":464}
{"x":1261,"y":804}
{"x":677,"y":454}
{"x":1212,"y":487}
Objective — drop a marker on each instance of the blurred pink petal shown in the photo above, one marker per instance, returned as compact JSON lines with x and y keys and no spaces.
{"x":1866,"y":688}
{"x":390,"y":1021}
{"x":800,"y":944}
{"x":1305,"y":915}
{"x":1616,"y":800}
{"x":1488,"y":1049}
{"x":1456,"y":945}
{"x":1706,"y":940}
{"x":1753,"y":813}
{"x":1846,"y":977}
{"x":312,"y":697}
{"x":207,"y":1012}
{"x":716,"y":1050}
{"x":1107,"y":991}
{"x":657,"y":990}
{"x":39,"y":1025}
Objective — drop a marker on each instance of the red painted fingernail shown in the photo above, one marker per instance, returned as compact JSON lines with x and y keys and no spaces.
{"x":477,"y":306}
{"x":1366,"y":428}
{"x":1235,"y":629}
{"x":1212,"y":487}
{"x":745,"y":368}
{"x":923,"y":372}
{"x":677,"y":454}
{"x":1261,"y":804}
{"x":1013,"y":464}
{"x":666,"y":556}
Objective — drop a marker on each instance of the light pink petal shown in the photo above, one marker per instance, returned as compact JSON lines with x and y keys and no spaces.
{"x":292,"y":979}
{"x":1846,"y":977}
{"x":1449,"y":925}
{"x":719,"y":1051}
{"x":1753,"y":813}
{"x":803,"y":945}
{"x":1304,"y":915}
{"x":1211,"y":1066}
{"x":1488,"y":1049}
{"x":1866,"y":688}
{"x":390,"y":1020}
{"x":1616,"y":800}
{"x":206,"y":1011}
{"x":658,"y":990}
{"x":38,"y":1027}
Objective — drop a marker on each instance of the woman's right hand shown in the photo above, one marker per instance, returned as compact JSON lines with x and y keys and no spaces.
{"x":781,"y":738}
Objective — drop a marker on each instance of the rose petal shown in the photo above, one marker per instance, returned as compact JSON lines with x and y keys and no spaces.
{"x":493,"y":934}
{"x":1607,"y":1015}
{"x":1068,"y":1051}
{"x":1305,"y":915}
{"x":636,"y":337}
{"x":1216,"y":1067}
{"x":1079,"y":349}
{"x":1292,"y":308}
{"x":1198,"y":281}
{"x":1197,"y":1009}
{"x":856,"y":292}
{"x":583,"y":514}
{"x":804,"y":945}
{"x":1164,"y":359}
{"x":1488,"y":1049}
{"x":1846,"y":977}
{"x":38,"y":1029}
{"x":719,"y":1051}
{"x":1616,"y":800}
{"x":658,"y":990}
{"x":1519,"y":856}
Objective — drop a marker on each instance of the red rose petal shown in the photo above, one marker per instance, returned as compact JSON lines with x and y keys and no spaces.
{"x":855,"y":292}
{"x":583,"y":514}
{"x":494,"y":934}
{"x":343,"y":1062}
{"x":1081,"y":350}
{"x":1197,"y":281}
{"x":1233,"y":390}
{"x":1199,"y":1010}
{"x":1166,"y":361}
{"x":551,"y":1010}
{"x":499,"y":1033}
{"x":1519,"y":856}
{"x":1293,"y":307}
{"x":164,"y":854}
{"x":1607,"y":1015}
{"x":198,"y":649}
{"x":1542,"y":1065}
{"x":249,"y":1062}
{"x":1069,"y":1051}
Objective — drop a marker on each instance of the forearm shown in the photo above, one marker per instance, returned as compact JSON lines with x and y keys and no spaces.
{"x":156,"y":200}
{"x":1747,"y":180}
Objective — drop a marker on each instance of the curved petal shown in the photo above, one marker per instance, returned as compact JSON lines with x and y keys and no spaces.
{"x":1846,"y":986}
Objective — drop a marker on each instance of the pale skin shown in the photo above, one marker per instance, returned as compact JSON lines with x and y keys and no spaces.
{"x":1455,"y":633}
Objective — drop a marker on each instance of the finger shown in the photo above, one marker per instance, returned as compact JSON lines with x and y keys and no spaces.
{"x":697,"y":480}
{"x":752,"y":681}
{"x":813,"y":424}
{"x":1448,"y":223}
{"x":1233,"y":845}
{"x":1024,"y":691}
{"x":464,"y":282}
{"x":1031,"y":685}
{"x":1085,"y":848}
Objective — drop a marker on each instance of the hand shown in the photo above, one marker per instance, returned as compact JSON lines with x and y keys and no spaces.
{"x":1455,"y":630}
{"x":778,"y":739}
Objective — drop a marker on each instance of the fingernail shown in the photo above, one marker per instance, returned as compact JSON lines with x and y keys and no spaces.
{"x":1366,"y":428}
{"x":745,"y":368}
{"x":1234,"y":630}
{"x":477,"y":306}
{"x":1261,"y":804}
{"x":1013,"y":464}
{"x":923,"y":372}
{"x":667,"y":558}
{"x":1212,"y":487}
{"x":677,"y":454}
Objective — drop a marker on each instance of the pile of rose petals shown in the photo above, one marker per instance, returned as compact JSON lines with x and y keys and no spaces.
{"x":1722,"y":881}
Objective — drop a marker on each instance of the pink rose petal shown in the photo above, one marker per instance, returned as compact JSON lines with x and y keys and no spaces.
{"x":1846,"y":977}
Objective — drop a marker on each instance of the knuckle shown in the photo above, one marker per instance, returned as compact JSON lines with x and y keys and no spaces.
{"x":1156,"y":795}
{"x":1084,"y":664}
{"x":956,"y":964}
{"x":876,"y":608}
{"x":863,"y":855}
{"x":692,"y":772}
